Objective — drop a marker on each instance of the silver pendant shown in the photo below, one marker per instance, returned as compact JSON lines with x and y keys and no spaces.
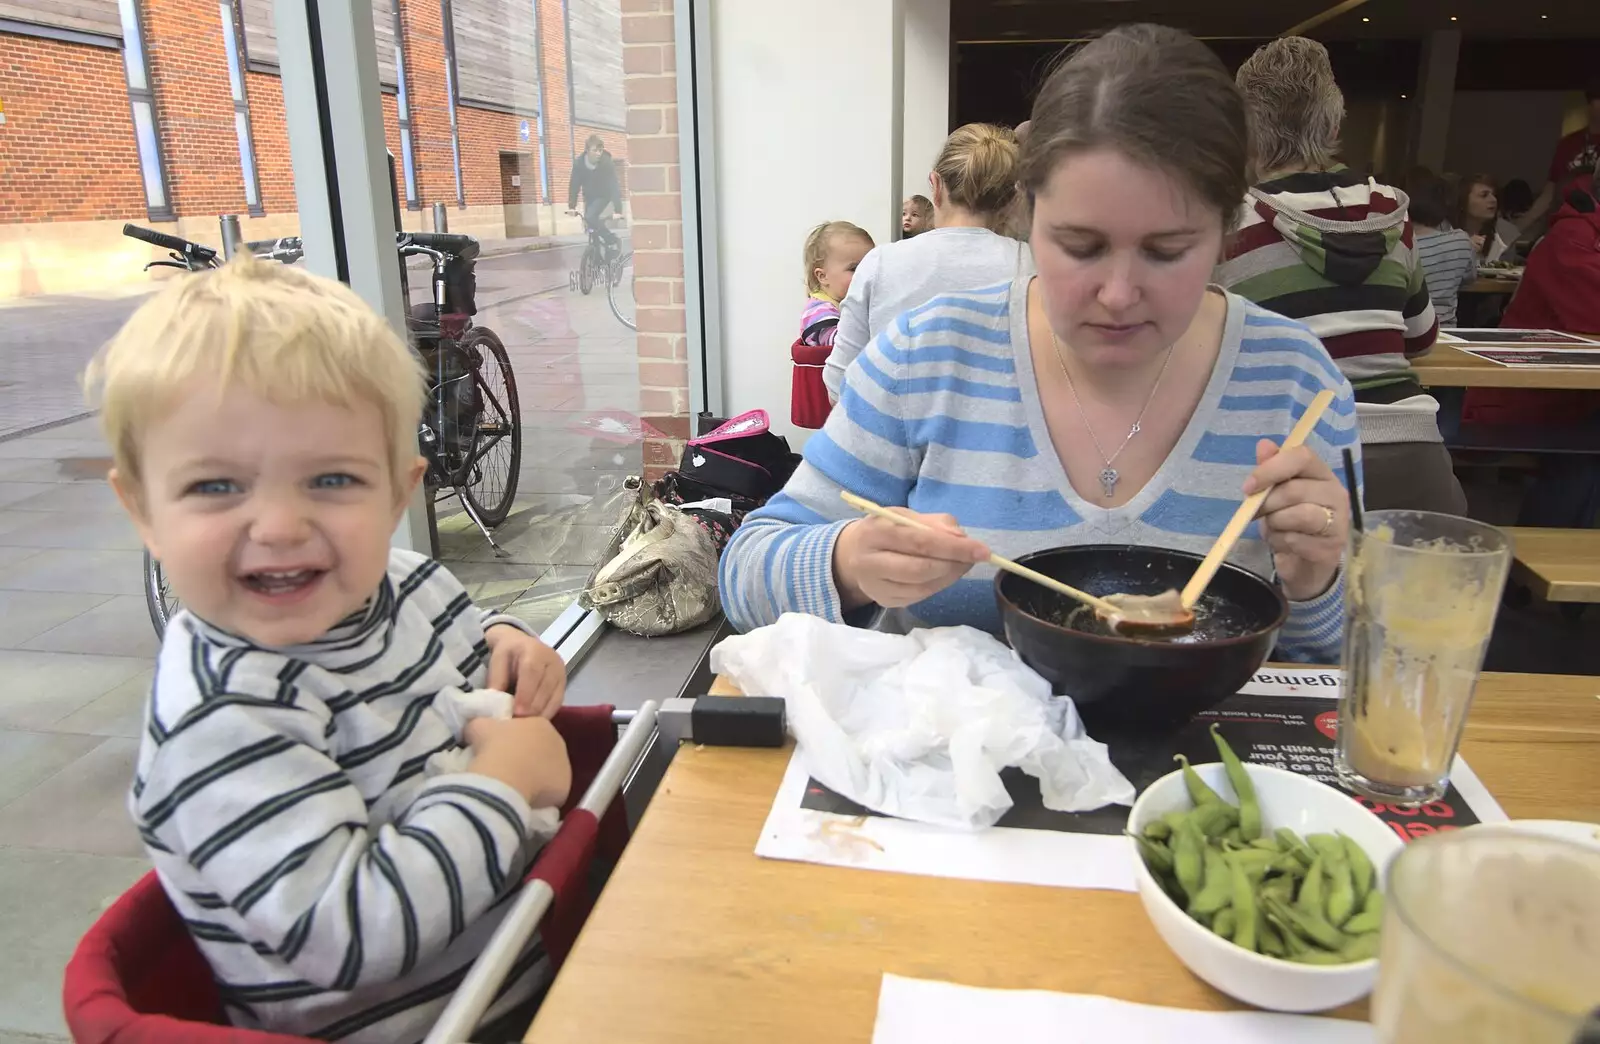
{"x":1108,"y":481}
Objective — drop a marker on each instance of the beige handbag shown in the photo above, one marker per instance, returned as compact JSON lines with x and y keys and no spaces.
{"x":658,"y":574}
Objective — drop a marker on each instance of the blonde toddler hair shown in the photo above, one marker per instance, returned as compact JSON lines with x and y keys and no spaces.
{"x":279,"y":332}
{"x":818,"y":243}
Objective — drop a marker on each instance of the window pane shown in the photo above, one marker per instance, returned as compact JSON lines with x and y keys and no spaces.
{"x":231,"y":47}
{"x":408,"y":162}
{"x":247,"y":159}
{"x":149,"y":159}
{"x":588,"y":404}
{"x":132,"y":45}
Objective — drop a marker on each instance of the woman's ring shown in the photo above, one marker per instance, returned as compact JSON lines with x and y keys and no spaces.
{"x":1327,"y":526}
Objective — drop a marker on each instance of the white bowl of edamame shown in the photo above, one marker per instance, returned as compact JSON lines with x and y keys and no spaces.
{"x":1325,"y":936}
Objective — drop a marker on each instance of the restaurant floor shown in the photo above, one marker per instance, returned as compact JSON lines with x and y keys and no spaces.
{"x":76,"y":651}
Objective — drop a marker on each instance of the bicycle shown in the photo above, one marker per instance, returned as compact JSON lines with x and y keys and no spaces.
{"x":470,"y":419}
{"x":617,"y":272}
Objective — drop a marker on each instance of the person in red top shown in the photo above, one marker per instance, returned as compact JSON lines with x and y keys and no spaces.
{"x":1561,"y":287}
{"x":1575,"y":156}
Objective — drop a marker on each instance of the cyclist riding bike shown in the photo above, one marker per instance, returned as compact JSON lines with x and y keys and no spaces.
{"x":594,"y":175}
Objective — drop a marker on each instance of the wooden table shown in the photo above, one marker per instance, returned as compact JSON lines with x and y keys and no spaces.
{"x":1491,"y":285}
{"x":1559,"y":565}
{"x":1447,"y":367}
{"x":698,"y":941}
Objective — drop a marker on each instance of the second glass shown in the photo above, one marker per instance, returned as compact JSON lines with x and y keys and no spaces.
{"x":1422,"y":591}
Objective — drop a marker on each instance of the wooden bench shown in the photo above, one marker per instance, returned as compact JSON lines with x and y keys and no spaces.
{"x":1560,"y":565}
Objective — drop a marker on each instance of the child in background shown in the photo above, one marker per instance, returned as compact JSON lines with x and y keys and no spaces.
{"x":833,"y":250}
{"x":300,"y":786}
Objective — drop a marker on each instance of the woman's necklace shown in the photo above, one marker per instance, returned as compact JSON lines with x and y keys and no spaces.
{"x":1108,"y":474}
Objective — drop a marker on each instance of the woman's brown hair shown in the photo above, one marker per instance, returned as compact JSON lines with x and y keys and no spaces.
{"x":978,"y":168}
{"x":1458,"y":213}
{"x":1155,"y":94}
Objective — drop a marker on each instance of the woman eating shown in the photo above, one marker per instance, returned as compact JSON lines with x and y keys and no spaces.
{"x":1104,"y":394}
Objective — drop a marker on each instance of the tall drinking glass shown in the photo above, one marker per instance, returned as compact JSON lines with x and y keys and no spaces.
{"x":1489,"y":937}
{"x":1422,"y":590}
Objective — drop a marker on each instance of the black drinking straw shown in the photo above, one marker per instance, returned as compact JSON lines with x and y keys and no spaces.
{"x":1350,"y":487}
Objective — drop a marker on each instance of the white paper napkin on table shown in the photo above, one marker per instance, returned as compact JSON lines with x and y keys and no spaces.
{"x":919,"y":725}
{"x":920,"y":1011}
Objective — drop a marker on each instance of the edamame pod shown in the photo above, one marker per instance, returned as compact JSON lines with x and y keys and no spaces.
{"x":1325,"y":845}
{"x":1341,"y":890}
{"x":1317,"y":957}
{"x":1360,"y":948}
{"x":1292,"y":843}
{"x":1156,"y":856}
{"x":1312,"y":929}
{"x":1370,"y":919}
{"x":1361,"y":870}
{"x":1267,"y":844}
{"x":1157,"y":830}
{"x":1188,"y":864}
{"x":1215,"y":820}
{"x":1199,"y":792}
{"x":1310,"y":901}
{"x":1223,"y":923}
{"x":1244,"y":907}
{"x":1217,"y":892}
{"x":1243,"y":788}
{"x":1271,"y":940}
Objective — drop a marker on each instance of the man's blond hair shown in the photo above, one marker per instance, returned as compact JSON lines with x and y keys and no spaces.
{"x":280,"y":332}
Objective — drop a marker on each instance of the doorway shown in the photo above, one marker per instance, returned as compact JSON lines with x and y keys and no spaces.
{"x":522,"y":219}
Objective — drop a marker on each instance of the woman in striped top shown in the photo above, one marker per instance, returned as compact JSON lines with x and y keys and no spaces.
{"x":1103,"y":394}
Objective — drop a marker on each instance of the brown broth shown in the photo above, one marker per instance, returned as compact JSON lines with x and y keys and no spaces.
{"x":1214,"y":620}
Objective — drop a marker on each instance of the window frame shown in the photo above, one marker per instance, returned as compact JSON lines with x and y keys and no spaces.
{"x":249,"y":168}
{"x":152,"y":157}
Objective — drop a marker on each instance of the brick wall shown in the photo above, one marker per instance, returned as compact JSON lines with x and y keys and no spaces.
{"x":70,"y":130}
{"x":66,"y":154}
{"x":271,"y":136}
{"x":194,"y":109}
{"x":650,"y":86}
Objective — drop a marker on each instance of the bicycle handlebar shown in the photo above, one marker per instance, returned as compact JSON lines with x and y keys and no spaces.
{"x":173,"y":243}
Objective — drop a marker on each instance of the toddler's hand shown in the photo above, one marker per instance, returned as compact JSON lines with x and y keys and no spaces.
{"x":526,"y":754}
{"x":528,"y":669}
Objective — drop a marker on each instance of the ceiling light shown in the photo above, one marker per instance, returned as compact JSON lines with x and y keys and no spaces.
{"x":1544,"y":16}
{"x":1452,"y":18}
{"x":1402,"y":97}
{"x":1365,"y":19}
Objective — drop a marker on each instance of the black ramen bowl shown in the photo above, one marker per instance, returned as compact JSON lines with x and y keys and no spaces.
{"x":1124,"y":683}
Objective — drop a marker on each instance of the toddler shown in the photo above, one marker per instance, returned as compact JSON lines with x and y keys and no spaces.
{"x":833,"y":250}
{"x":263,"y":424}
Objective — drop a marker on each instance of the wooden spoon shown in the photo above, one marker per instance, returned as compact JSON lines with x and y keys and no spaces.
{"x":1170,"y":610}
{"x":1099,"y":605}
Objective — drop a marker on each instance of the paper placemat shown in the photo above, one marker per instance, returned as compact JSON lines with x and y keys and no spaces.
{"x":1286,"y":718}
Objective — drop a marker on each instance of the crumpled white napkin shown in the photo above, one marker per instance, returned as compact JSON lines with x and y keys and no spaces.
{"x":457,"y":707}
{"x":920,"y":725}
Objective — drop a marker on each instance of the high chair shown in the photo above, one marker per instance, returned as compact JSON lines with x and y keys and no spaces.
{"x":137,"y":977}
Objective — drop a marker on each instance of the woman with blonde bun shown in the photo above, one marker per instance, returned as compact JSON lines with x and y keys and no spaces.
{"x":973,"y":183}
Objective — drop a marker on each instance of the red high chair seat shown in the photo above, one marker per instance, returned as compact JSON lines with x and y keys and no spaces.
{"x":138,"y":978}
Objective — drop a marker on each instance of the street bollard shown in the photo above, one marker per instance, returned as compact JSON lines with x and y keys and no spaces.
{"x":232,"y":238}
{"x":441,"y":220}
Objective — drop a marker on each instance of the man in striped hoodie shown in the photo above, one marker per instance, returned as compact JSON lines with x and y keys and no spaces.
{"x":1320,"y":244}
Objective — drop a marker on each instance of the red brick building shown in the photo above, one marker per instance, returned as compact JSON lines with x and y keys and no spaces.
{"x":178,"y":116}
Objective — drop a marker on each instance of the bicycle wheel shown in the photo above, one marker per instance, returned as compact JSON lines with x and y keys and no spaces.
{"x":497,"y":451}
{"x":619,"y":290}
{"x":158,"y":596}
{"x":586,"y":270}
